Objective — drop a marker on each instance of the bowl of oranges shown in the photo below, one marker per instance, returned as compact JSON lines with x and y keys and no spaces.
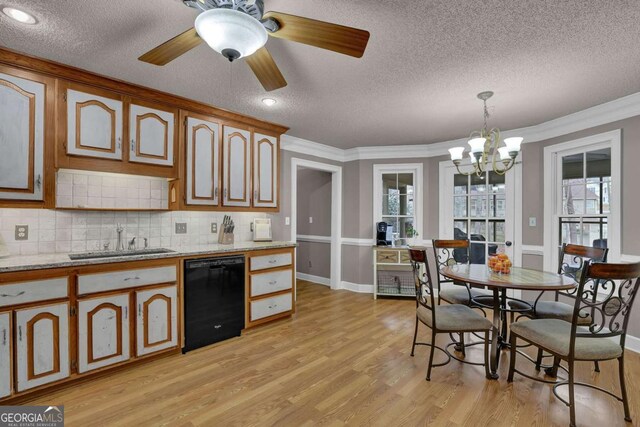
{"x":500,"y":263}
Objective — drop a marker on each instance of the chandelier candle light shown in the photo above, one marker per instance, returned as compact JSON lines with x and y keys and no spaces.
{"x":486,"y":143}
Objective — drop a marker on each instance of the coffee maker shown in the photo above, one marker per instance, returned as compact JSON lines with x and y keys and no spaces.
{"x":384,"y":234}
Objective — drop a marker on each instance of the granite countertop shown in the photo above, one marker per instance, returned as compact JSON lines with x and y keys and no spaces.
{"x":46,"y":261}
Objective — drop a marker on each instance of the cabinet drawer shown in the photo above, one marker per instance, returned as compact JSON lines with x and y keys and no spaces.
{"x":266,"y":283}
{"x":270,"y":261}
{"x":34,"y":291}
{"x":101,"y":282}
{"x":270,"y":306}
{"x":389,"y":257}
{"x":405,"y":258}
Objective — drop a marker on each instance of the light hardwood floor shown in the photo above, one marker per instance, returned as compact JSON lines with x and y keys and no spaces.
{"x":342,"y":359}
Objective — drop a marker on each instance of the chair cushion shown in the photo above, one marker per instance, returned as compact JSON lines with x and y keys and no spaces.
{"x":553,"y":310}
{"x":459,"y":295}
{"x":555,"y":335}
{"x":454,"y":318}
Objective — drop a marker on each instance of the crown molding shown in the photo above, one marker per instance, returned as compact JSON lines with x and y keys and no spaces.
{"x":613,"y":111}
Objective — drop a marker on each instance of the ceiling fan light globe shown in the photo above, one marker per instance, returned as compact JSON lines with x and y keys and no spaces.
{"x":229,"y":31}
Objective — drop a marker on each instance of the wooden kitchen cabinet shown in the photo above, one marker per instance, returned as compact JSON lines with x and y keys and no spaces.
{"x":157,"y":320}
{"x":265,"y":171}
{"x":103,"y":331}
{"x":22,"y":135}
{"x":94,"y":123}
{"x":203,"y":161}
{"x":236,"y":168}
{"x":42,"y":345}
{"x":151,"y":134}
{"x":5,"y":354}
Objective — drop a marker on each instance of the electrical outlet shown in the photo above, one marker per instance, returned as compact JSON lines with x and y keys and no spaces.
{"x":214,"y":227}
{"x":181,"y":228}
{"x":310,"y":220}
{"x":532,"y":221}
{"x":310,"y":266}
{"x":22,"y":232}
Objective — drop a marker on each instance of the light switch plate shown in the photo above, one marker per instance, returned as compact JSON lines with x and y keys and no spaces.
{"x":532,"y":221}
{"x":310,"y":220}
{"x":181,"y":228}
{"x":214,"y":227}
{"x":22,"y":232}
{"x":287,"y":220}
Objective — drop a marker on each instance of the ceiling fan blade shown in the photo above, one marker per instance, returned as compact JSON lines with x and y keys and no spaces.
{"x":334,"y":37}
{"x":266,"y":70}
{"x":171,"y":49}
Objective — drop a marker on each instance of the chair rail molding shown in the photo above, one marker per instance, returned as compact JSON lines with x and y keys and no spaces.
{"x":313,"y":239}
{"x":609,"y":112}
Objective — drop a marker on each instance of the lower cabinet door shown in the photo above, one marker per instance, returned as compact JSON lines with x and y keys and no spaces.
{"x":5,"y":354}
{"x":103,"y":331}
{"x":42,"y":345}
{"x":157,"y":320}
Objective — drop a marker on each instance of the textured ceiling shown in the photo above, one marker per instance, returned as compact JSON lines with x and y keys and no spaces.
{"x":416,"y":83}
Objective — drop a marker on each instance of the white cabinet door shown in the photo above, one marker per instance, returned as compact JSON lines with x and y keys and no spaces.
{"x":151,"y":135}
{"x":203,"y":160}
{"x":5,"y":354}
{"x":103,"y":331}
{"x":265,"y":171}
{"x":237,"y":171}
{"x":42,"y":345}
{"x":22,"y":105}
{"x":157,"y":320}
{"x":94,"y":125}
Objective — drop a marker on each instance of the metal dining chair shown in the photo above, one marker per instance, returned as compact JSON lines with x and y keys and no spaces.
{"x":572,"y":259}
{"x":453,"y":318}
{"x":572,"y":342}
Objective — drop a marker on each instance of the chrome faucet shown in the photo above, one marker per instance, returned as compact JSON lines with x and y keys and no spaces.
{"x":120,"y":244}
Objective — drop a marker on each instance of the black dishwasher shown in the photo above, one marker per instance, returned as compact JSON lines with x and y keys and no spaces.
{"x":213,"y":300}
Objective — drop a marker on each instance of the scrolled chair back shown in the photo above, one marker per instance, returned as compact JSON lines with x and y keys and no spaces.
{"x":611,"y":308}
{"x":572,"y":262}
{"x":448,"y":253}
{"x":422,"y":278}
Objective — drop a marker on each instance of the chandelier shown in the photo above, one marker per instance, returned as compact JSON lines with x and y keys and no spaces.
{"x":485,"y":148}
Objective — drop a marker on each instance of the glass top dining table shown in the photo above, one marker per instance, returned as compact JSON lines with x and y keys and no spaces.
{"x":519,"y":279}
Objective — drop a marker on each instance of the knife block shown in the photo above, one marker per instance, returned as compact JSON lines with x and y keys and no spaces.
{"x":225,"y":238}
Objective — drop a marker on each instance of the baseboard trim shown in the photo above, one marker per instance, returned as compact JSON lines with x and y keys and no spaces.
{"x":315,"y":279}
{"x":355,"y":287}
{"x":632,"y":343}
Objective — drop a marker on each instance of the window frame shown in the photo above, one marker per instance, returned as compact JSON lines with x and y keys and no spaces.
{"x":418,"y":183}
{"x":553,"y":201}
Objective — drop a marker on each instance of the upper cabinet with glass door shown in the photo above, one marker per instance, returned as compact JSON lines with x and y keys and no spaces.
{"x":151,"y":134}
{"x":22,"y":134}
{"x":265,"y":171}
{"x":94,"y":123}
{"x":236,"y":155}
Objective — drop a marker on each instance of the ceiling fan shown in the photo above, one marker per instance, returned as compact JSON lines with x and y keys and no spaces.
{"x":240,"y":28}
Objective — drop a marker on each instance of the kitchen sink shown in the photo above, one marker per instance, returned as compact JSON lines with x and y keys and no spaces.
{"x":114,"y":254}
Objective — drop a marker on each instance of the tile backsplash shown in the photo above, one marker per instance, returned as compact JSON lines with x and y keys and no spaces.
{"x":99,"y":190}
{"x":78,"y":231}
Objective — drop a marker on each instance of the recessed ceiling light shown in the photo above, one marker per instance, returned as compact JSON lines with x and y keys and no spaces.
{"x":269,"y":102}
{"x":19,"y":15}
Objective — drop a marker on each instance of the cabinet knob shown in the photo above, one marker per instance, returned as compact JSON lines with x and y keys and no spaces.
{"x":39,"y":181}
{"x":119,"y":143}
{"x":215,"y":192}
{"x":19,"y":333}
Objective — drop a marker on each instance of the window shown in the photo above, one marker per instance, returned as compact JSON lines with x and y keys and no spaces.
{"x":479,"y":213}
{"x":396,"y":198}
{"x":586,"y":204}
{"x":582,"y":195}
